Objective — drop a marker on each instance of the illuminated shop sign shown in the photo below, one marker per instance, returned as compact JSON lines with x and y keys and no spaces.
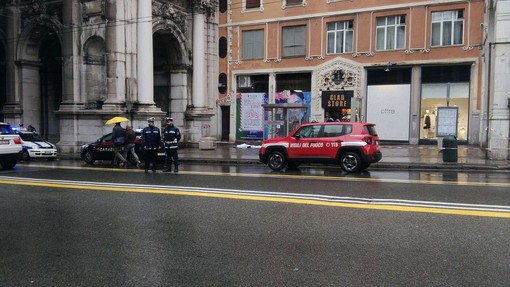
{"x":336,"y":99}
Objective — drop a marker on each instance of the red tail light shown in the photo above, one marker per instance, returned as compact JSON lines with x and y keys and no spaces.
{"x":368,"y":140}
{"x":18,"y":141}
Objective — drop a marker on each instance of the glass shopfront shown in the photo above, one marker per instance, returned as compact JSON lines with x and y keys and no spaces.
{"x":444,"y":87}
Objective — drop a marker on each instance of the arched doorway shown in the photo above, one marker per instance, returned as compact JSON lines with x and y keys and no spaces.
{"x":40,"y":58}
{"x":3,"y":80}
{"x":51,"y":86}
{"x":170,"y":73}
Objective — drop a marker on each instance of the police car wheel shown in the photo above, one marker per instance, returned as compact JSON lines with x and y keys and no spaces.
{"x":276,"y":160}
{"x":351,"y":162}
{"x":25,"y":156}
{"x":88,"y":157}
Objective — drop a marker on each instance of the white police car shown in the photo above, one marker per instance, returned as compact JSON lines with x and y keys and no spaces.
{"x":34,"y":146}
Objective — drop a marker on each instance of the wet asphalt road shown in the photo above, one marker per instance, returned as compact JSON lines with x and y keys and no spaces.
{"x":246,"y":226}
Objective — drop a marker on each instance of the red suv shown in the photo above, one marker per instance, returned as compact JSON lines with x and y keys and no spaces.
{"x":353,"y":145}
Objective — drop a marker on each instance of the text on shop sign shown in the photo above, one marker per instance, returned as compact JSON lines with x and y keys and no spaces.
{"x":336,"y":99}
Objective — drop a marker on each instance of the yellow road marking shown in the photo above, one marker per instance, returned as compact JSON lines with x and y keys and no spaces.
{"x":264,"y":198}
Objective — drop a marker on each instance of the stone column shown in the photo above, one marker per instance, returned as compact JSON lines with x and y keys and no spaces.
{"x":145,"y":81}
{"x":12,"y":108}
{"x":499,"y":120}
{"x":70,"y":66}
{"x":199,"y":63}
{"x":116,"y":57}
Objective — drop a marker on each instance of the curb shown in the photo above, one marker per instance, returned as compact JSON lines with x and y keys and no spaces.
{"x":453,"y":166}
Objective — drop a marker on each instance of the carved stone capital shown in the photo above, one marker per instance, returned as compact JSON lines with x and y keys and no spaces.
{"x":170,"y":13}
{"x":205,"y":6}
{"x":37,"y":11}
{"x":91,"y":8}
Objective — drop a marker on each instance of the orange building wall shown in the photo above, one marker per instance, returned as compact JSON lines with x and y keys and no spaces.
{"x":318,"y":13}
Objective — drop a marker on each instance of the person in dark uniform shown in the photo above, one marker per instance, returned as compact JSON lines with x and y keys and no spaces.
{"x":151,"y":141}
{"x":118,"y":132}
{"x":171,"y":138}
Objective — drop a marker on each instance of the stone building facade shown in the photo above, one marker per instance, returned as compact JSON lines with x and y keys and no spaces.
{"x":68,"y":66}
{"x":496,"y":54}
{"x":421,"y":70}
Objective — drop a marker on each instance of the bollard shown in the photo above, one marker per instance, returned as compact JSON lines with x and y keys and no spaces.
{"x":450,"y":149}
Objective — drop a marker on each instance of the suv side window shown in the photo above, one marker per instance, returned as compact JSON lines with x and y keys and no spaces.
{"x":309,"y":131}
{"x":347,"y":129}
{"x":371,"y":130}
{"x":331,"y":131}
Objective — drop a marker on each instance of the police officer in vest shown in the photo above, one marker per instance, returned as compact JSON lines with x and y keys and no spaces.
{"x":151,"y":141}
{"x":171,"y":138}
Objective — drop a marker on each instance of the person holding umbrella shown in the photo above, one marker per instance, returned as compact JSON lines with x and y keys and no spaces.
{"x":151,"y":141}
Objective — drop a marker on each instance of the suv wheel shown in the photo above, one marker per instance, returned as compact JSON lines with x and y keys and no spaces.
{"x":351,"y":162}
{"x":88,"y":157}
{"x":276,"y":160}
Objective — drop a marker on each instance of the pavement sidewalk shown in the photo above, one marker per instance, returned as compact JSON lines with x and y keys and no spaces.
{"x":396,"y":157}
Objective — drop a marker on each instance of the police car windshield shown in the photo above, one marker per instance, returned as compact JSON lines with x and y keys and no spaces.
{"x":31,"y":137}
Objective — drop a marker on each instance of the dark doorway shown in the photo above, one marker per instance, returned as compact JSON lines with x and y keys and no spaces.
{"x":3,"y":81}
{"x":51,"y":86}
{"x":225,"y":123}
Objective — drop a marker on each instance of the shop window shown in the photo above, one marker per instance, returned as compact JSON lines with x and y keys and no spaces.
{"x":294,"y":41}
{"x":294,"y":81}
{"x":444,"y":86}
{"x":391,"y":33}
{"x":447,"y":28}
{"x":253,"y":44}
{"x":340,"y":37}
{"x":253,"y":84}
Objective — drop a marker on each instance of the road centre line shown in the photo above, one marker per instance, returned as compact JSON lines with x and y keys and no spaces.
{"x":296,"y":198}
{"x":295,"y":176}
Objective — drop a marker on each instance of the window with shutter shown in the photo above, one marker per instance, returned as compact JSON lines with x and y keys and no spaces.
{"x":294,"y":2}
{"x":253,"y":44}
{"x":294,"y":41}
{"x":251,"y":4}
